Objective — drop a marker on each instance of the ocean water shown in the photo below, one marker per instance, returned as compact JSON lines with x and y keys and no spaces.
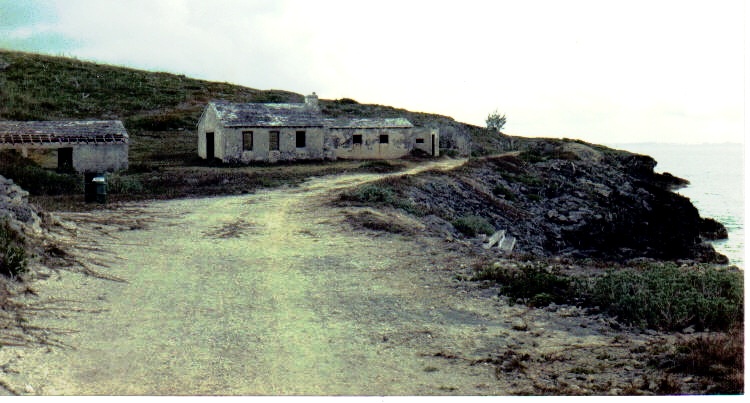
{"x":716,"y":175}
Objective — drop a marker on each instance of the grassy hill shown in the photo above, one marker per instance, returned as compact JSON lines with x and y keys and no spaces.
{"x":160,"y":112}
{"x":38,"y":87}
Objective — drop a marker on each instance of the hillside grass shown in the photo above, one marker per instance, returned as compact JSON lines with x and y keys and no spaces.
{"x":161,"y":112}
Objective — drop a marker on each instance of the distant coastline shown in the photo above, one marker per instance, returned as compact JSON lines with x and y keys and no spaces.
{"x":716,"y":175}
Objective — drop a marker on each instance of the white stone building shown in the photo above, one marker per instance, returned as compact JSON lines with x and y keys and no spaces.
{"x":246,"y":132}
{"x":86,"y":146}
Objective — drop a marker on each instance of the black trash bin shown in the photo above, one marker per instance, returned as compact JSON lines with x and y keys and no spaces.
{"x":89,"y":187}
{"x":100,"y":183}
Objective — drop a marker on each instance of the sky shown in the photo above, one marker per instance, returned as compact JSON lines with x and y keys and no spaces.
{"x":602,"y":71}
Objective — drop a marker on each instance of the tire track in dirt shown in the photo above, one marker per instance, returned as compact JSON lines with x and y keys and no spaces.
{"x":286,"y":304}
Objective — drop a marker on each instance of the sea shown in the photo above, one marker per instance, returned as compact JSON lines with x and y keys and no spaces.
{"x":717,"y":177}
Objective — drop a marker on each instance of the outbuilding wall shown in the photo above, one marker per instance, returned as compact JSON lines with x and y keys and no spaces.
{"x":288,"y":150}
{"x":401,"y":141}
{"x":93,"y":158}
{"x":340,"y":142}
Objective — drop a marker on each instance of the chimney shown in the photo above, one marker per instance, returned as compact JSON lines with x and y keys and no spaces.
{"x":311,"y":101}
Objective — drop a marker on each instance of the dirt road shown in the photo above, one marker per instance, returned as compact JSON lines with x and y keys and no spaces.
{"x":264,"y":294}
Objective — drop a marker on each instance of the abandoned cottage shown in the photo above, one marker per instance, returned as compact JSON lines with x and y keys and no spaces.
{"x":90,"y":146}
{"x":246,"y":132}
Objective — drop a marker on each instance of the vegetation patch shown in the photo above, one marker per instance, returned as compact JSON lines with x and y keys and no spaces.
{"x":35,"y":179}
{"x":668,"y":297}
{"x":371,"y":193}
{"x":501,"y":191}
{"x":12,"y":251}
{"x":473,"y":225}
{"x":659,"y":296}
{"x":378,"y":222}
{"x":718,"y":357}
{"x":535,"y":284}
{"x":380,"y":166}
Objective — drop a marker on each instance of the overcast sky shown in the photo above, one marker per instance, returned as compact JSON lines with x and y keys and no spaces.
{"x":602,"y":71}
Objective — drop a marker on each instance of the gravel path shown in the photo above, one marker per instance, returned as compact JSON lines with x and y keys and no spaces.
{"x":269,"y":294}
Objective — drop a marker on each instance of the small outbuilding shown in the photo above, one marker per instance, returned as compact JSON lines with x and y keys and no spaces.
{"x":86,"y":146}
{"x":246,"y":132}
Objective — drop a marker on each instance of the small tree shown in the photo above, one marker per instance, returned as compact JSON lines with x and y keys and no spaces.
{"x":496,"y":121}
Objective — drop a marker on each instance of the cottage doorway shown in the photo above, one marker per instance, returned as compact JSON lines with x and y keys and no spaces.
{"x":65,"y":159}
{"x":433,"y":145}
{"x":209,"y":146}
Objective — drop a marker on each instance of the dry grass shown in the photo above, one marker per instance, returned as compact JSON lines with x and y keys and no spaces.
{"x":718,"y":357}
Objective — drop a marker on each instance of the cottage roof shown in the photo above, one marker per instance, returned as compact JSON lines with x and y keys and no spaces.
{"x":267,"y":115}
{"x":67,"y":131}
{"x":368,"y":123}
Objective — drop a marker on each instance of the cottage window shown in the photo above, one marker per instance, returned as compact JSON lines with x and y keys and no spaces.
{"x":357,"y":139}
{"x":273,"y":140}
{"x":247,"y":141}
{"x":420,"y":141}
{"x":301,"y":141}
{"x":383,"y":139}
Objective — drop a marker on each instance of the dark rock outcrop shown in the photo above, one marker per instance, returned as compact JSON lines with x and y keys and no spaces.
{"x":566,"y":198}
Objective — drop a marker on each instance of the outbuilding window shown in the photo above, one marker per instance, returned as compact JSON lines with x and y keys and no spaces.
{"x":357,"y":139}
{"x":301,"y":141}
{"x":383,"y":139}
{"x":420,"y":141}
{"x":247,"y":141}
{"x":273,"y":140}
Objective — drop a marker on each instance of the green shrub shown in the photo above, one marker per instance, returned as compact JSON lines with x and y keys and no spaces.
{"x":123,"y":184}
{"x":12,"y":252}
{"x":379,"y":166}
{"x":660,"y":296}
{"x":371,"y":193}
{"x":35,"y":179}
{"x":502,"y":191}
{"x":473,"y":225}
{"x":449,"y":152}
{"x":531,"y":156}
{"x":671,"y":298}
{"x":535,"y":284}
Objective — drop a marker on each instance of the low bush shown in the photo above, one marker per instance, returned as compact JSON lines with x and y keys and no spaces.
{"x":379,"y":166}
{"x":719,"y":357}
{"x":501,"y":191}
{"x":37,"y":180}
{"x":12,"y":252}
{"x":535,"y":284}
{"x":671,"y":298}
{"x":123,"y":184}
{"x":659,"y":296}
{"x":370,"y":193}
{"x":473,"y":225}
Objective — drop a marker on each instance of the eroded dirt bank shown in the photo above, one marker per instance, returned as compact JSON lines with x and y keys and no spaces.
{"x":274,"y":294}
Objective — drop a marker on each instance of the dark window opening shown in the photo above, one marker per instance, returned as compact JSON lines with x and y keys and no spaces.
{"x":301,"y":141}
{"x":420,"y":141}
{"x":357,"y":139}
{"x":383,"y":139}
{"x":247,"y":141}
{"x":273,"y":140}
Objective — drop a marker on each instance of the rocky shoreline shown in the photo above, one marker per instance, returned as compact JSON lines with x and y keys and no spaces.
{"x":567,"y":199}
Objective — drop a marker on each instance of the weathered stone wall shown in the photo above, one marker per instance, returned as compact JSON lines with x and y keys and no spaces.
{"x":430,"y":137}
{"x":100,"y":157}
{"x":288,"y":150}
{"x":400,"y":143}
{"x":207,"y":123}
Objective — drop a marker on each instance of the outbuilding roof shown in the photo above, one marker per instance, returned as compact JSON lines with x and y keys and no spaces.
{"x":267,"y":115}
{"x":368,"y":123}
{"x":65,"y":131}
